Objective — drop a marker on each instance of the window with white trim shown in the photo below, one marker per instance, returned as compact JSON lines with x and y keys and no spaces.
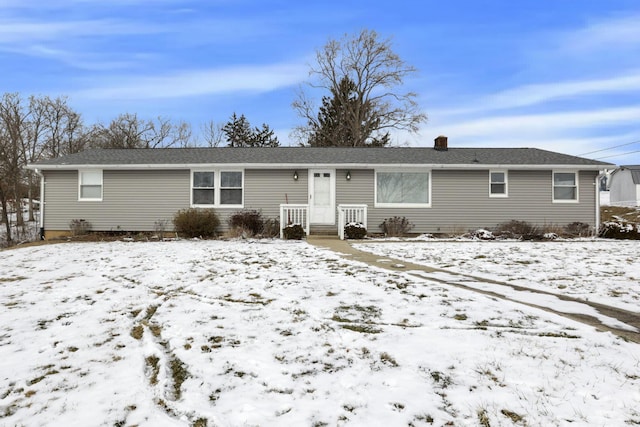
{"x":403,"y":189}
{"x":204,"y":190}
{"x":90,"y":185}
{"x":211,"y":188}
{"x":565,"y":186}
{"x":497,"y":183}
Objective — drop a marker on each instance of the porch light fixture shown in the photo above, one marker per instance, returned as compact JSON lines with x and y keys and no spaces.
{"x":348,"y":176}
{"x":295,"y":175}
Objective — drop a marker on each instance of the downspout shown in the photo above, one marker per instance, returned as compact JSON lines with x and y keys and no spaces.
{"x":42,"y":204}
{"x":597,"y":184}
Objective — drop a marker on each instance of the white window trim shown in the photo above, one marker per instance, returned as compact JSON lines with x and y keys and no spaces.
{"x":90,"y":199}
{"x":401,"y":205}
{"x":553,"y":186}
{"x":506,"y":183}
{"x":217,"y":173}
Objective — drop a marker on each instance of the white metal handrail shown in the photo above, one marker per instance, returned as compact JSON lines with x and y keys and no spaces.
{"x":348,"y":214}
{"x":291,"y":214}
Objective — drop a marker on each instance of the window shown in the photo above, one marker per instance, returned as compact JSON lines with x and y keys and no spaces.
{"x":203,"y":188}
{"x":565,"y":187}
{"x":230,"y":188}
{"x":90,"y":185}
{"x":403,"y":189}
{"x":217,"y":188}
{"x":497,"y":184}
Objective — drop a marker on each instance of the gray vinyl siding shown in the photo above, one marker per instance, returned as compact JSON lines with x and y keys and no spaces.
{"x":267,"y":189}
{"x":132,"y":200}
{"x":460,"y":201}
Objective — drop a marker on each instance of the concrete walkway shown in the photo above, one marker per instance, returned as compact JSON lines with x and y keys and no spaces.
{"x":629,"y":331}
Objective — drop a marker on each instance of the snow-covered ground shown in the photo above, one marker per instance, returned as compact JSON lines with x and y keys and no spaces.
{"x":194,"y":333}
{"x":602,"y":271}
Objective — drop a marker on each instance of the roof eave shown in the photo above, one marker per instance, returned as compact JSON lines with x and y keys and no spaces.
{"x":173,"y":166}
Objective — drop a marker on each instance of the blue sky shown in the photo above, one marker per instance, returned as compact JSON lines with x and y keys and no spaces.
{"x":562,"y":75}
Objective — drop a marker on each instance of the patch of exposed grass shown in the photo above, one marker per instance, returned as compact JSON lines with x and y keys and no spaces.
{"x":42,"y":377}
{"x":483,"y":418}
{"x":216,"y":341}
{"x":179,"y":374}
{"x":460,"y":316}
{"x":137,"y":332}
{"x":388,"y":360}
{"x":12,"y":279}
{"x":363,"y":329}
{"x":151,"y":310}
{"x":516,"y":418}
{"x":153,"y":364}
{"x":155,"y":329}
{"x":441,"y":379}
{"x":256,"y":299}
{"x":200,"y":422}
{"x":558,"y":335}
{"x":398,"y":406}
{"x":611,"y":213}
{"x":215,"y":395}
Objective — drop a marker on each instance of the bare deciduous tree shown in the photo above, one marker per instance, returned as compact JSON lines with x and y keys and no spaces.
{"x":13,"y":117}
{"x":213,"y":133}
{"x":129,"y":131}
{"x":375,"y":105}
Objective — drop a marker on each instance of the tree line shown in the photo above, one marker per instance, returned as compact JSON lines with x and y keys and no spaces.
{"x":360,"y":75}
{"x":41,"y":127}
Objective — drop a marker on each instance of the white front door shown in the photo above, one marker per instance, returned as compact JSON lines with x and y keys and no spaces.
{"x":322,"y":196}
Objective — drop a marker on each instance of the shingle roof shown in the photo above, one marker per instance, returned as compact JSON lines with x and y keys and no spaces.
{"x":317,"y":156}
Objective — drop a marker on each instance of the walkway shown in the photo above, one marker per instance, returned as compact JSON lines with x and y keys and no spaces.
{"x":623,"y":323}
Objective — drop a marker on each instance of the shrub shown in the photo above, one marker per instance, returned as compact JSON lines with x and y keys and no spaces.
{"x":396,"y":226}
{"x":577,"y":229}
{"x":355,"y":230}
{"x":271,"y":227}
{"x":619,"y":230}
{"x":293,"y":232}
{"x":79,"y":227}
{"x":196,"y":222}
{"x":159,"y":227}
{"x":519,"y":230}
{"x":482,"y":234}
{"x":249,"y":221}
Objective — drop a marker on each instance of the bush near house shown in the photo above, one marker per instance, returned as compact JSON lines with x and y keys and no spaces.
{"x":620,"y":230}
{"x":396,"y":226}
{"x":515,"y":229}
{"x":578,"y":229}
{"x":196,"y":223}
{"x":620,"y":222}
{"x":293,"y":232}
{"x":248,"y":223}
{"x":355,"y":230}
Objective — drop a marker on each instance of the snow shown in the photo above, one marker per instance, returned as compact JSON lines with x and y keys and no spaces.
{"x":283,"y":333}
{"x":596,"y":270}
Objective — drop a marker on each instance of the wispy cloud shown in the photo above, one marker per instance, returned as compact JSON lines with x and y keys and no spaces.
{"x":536,"y":124}
{"x":259,"y":78}
{"x":25,"y":32}
{"x":617,"y":32}
{"x":534,"y":94}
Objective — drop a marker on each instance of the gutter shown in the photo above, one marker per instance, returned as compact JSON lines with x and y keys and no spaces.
{"x":390,"y":166}
{"x":42,"y":202}
{"x":597,"y":185}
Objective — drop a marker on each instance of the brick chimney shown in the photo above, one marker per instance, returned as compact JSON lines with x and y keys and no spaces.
{"x":441,"y":143}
